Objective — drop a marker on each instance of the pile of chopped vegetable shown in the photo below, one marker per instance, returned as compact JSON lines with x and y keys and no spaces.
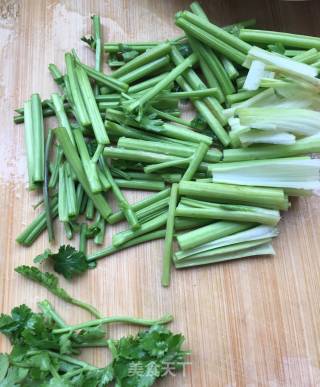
{"x":44,"y":346}
{"x":222,"y":177}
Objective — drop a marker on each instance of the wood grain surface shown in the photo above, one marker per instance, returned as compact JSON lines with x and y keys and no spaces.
{"x":254,"y":322}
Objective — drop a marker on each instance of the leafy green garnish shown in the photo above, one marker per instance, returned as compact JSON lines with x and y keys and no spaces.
{"x":51,"y":282}
{"x":67,"y":261}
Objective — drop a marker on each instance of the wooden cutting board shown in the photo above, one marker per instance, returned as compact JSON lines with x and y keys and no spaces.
{"x":253,"y":322}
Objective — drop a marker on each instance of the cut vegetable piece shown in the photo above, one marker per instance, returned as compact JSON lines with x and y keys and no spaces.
{"x":210,"y":233}
{"x":301,"y":173}
{"x":168,"y":243}
{"x":227,"y":193}
{"x":29,"y":141}
{"x":38,"y":138}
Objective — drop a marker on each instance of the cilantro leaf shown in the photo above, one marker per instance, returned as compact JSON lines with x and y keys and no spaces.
{"x":67,"y":261}
{"x":46,"y":279}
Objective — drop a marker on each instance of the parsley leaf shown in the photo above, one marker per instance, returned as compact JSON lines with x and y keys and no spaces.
{"x":67,"y":261}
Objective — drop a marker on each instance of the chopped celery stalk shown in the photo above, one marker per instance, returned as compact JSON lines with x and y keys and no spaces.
{"x":227,"y":193}
{"x":241,"y":96}
{"x":121,"y":200}
{"x":146,"y":84}
{"x":168,"y":243}
{"x":266,"y":137}
{"x":46,"y":192}
{"x":106,"y":80}
{"x":56,"y":73}
{"x":118,"y":216}
{"x":301,"y":147}
{"x":62,"y":197}
{"x":181,"y":224}
{"x":284,"y":64}
{"x":215,"y":65}
{"x":229,"y":68}
{"x":256,"y":72}
{"x":211,"y":41}
{"x":301,"y":173}
{"x":91,"y":106}
{"x":127,"y":235}
{"x":38,"y":138}
{"x":178,"y":150}
{"x":156,"y":89}
{"x":77,"y":98}
{"x":239,"y":213}
{"x":70,"y":193}
{"x":151,"y":209}
{"x":148,"y":56}
{"x":89,"y":167}
{"x":55,"y":170}
{"x":179,"y":163}
{"x":195,"y":161}
{"x":144,"y":185}
{"x":209,"y":233}
{"x":287,"y":39}
{"x":257,"y":233}
{"x":253,"y":249}
{"x":217,"y":32}
{"x":61,"y":114}
{"x":37,"y":226}
{"x":29,"y":141}
{"x":145,"y":70}
{"x":72,"y":156}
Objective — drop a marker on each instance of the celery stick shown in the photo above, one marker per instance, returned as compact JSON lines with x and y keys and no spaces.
{"x":62,"y":197}
{"x":273,"y":198}
{"x":144,"y":185}
{"x":61,"y":114}
{"x":230,"y":212}
{"x":37,"y":226}
{"x":216,"y":31}
{"x":196,"y":159}
{"x":104,"y":79}
{"x":121,"y":200}
{"x":211,"y":41}
{"x":55,"y":171}
{"x":147,"y":57}
{"x":173,"y":74}
{"x":72,"y":156}
{"x":56,"y":74}
{"x":127,"y":235}
{"x":146,"y":84}
{"x":287,"y":39}
{"x":91,"y":106}
{"x":241,"y":96}
{"x":29,"y":141}
{"x":83,"y":238}
{"x":168,"y":248}
{"x":89,"y":209}
{"x":38,"y":138}
{"x":149,"y":211}
{"x":70,"y":193}
{"x":226,"y":254}
{"x":145,"y":70}
{"x":77,"y":98}
{"x":90,"y":168}
{"x":46,"y":192}
{"x":181,"y":224}
{"x":179,"y":163}
{"x":210,"y":233}
{"x":230,"y":69}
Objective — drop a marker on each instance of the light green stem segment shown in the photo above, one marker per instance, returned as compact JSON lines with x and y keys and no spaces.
{"x":125,"y":236}
{"x":89,"y":167}
{"x":91,"y":106}
{"x":72,"y":156}
{"x":116,"y":319}
{"x":287,"y":39}
{"x":159,"y":234}
{"x":302,"y":147}
{"x":77,"y":99}
{"x":216,"y":31}
{"x":210,"y":233}
{"x":144,"y":185}
{"x":63,"y":120}
{"x":146,"y":57}
{"x":118,"y":216}
{"x":29,"y":141}
{"x":211,"y":41}
{"x":155,"y":90}
{"x":196,"y":159}
{"x":121,"y":200}
{"x":38,"y":138}
{"x":206,"y":210}
{"x":178,"y":150}
{"x":273,"y":198}
{"x":168,"y":243}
